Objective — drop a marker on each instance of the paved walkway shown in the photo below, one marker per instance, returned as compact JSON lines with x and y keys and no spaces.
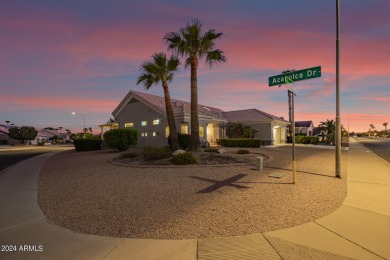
{"x":359,"y":229}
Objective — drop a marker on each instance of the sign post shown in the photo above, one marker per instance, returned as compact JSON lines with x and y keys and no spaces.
{"x":290,"y":77}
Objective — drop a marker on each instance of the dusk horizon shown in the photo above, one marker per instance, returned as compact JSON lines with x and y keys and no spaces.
{"x":62,"y":57}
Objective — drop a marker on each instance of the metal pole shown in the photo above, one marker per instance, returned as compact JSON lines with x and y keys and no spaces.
{"x":294,"y":166}
{"x":84,"y":124}
{"x":338,"y":119}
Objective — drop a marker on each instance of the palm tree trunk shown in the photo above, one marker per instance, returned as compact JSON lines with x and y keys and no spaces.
{"x":173,"y":140}
{"x":194,"y":145}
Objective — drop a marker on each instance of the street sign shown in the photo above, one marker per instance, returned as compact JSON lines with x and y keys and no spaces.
{"x":291,"y":77}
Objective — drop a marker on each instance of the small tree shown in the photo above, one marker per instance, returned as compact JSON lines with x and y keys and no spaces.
{"x":23,"y":133}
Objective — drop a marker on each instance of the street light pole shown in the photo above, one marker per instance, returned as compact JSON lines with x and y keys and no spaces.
{"x":338,"y":119}
{"x":74,"y":113}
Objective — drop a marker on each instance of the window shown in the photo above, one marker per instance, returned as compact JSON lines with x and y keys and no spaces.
{"x":144,"y":134}
{"x":144,"y":123}
{"x":201,"y":131}
{"x":156,"y":133}
{"x":129,"y":124}
{"x":184,"y":128}
{"x":166,"y":131}
{"x":156,"y":122}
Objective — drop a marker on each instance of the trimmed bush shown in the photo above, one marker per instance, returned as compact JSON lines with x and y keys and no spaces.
{"x":211,"y":150}
{"x":243,"y":151}
{"x":184,"y":140}
{"x":155,"y":153}
{"x":87,"y":144}
{"x":299,"y":139}
{"x":183,"y":159}
{"x":314,"y":139}
{"x":121,"y":139}
{"x":239,"y":142}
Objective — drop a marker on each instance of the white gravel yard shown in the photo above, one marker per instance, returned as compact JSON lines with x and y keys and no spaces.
{"x":83,"y":192}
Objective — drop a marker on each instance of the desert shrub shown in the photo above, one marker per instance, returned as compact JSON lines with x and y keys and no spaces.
{"x":239,"y":142}
{"x":87,"y":144}
{"x":243,"y":151}
{"x":128,"y":155}
{"x":155,"y":153}
{"x":121,"y":139}
{"x":330,"y":138}
{"x":211,"y":150}
{"x":183,"y":159}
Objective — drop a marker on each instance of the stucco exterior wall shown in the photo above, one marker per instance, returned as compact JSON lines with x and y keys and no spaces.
{"x":136,"y":112}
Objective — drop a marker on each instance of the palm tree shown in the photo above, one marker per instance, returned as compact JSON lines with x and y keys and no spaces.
{"x":60,"y":127}
{"x":192,"y":44}
{"x":159,"y":68}
{"x":385,"y":125}
{"x":329,"y":126}
{"x":7,"y":122}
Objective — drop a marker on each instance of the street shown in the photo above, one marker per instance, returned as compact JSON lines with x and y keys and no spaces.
{"x":13,"y":154}
{"x":381,"y":146}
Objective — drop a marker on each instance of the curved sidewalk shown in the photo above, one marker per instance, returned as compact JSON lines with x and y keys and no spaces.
{"x":359,"y":229}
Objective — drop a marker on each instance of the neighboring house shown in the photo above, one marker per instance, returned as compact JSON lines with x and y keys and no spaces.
{"x":304,"y":127}
{"x":147,"y":114}
{"x":4,"y":137}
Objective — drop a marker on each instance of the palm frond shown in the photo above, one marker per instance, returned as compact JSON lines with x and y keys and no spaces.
{"x":215,"y":56}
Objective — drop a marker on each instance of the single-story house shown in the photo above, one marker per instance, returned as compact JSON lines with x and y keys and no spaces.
{"x":304,"y":127}
{"x":147,"y":114}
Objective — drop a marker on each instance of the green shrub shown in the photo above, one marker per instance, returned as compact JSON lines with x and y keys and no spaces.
{"x":184,"y":140}
{"x":299,"y":139}
{"x":156,"y":153}
{"x":243,"y":151}
{"x":183,"y":159}
{"x":211,"y":150}
{"x":314,"y":139}
{"x":330,"y":138}
{"x":3,"y":142}
{"x":239,"y":142}
{"x":87,"y":144}
{"x":121,"y":139}
{"x":306,"y":140}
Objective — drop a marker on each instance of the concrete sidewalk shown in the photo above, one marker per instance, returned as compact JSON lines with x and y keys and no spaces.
{"x":359,"y":229}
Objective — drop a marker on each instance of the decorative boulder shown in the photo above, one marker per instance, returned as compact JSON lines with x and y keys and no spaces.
{"x":179,"y":151}
{"x":222,"y":151}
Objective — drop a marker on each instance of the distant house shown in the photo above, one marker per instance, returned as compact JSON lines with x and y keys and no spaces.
{"x":304,"y":127}
{"x":4,"y":137}
{"x":146,"y":113}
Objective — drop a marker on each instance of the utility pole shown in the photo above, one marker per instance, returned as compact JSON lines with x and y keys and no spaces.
{"x":338,"y":119}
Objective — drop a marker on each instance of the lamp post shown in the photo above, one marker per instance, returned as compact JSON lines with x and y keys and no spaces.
{"x":74,"y":113}
{"x":338,"y":119}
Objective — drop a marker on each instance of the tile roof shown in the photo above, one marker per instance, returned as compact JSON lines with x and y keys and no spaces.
{"x":179,"y":106}
{"x":248,"y":115}
{"x":303,"y":123}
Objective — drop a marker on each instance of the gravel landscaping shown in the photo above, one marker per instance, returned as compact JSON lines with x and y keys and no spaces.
{"x":82,"y":191}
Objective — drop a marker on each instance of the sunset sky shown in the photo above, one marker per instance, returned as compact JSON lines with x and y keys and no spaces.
{"x":84,"y":56}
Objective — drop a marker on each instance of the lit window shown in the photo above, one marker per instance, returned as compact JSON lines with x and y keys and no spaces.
{"x":144,"y":134}
{"x":144,"y":123}
{"x":166,"y":131}
{"x":184,"y":128}
{"x":156,"y":122}
{"x":155,"y":133}
{"x":129,"y":124}
{"x":201,"y":131}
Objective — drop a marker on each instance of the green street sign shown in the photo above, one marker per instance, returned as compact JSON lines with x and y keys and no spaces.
{"x":291,"y":77}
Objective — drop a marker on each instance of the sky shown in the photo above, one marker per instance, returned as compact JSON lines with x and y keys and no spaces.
{"x":59,"y":57}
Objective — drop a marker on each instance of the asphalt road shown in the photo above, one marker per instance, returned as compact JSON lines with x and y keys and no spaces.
{"x":12,"y":155}
{"x":381,"y":146}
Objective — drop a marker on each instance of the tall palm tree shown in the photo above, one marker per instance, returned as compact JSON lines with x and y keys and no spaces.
{"x":328,"y":125}
{"x":161,"y":69}
{"x":385,"y":125}
{"x":194,"y":45}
